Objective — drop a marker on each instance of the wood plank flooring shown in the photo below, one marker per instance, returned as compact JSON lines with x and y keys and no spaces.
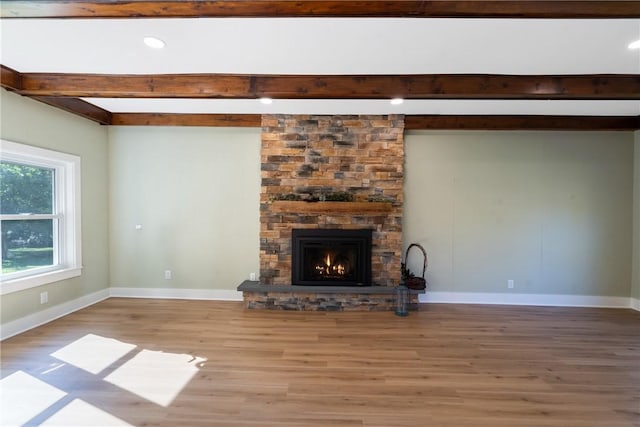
{"x":204,"y":363}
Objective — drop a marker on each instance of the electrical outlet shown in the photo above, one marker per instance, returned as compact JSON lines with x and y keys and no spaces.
{"x":510,"y":284}
{"x":252,"y":277}
{"x":44,"y":297}
{"x":167,"y":274}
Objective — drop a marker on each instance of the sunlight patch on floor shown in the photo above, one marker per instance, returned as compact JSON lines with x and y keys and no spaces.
{"x":22,"y":397}
{"x":80,"y":413}
{"x":93,"y":353}
{"x":155,"y":375}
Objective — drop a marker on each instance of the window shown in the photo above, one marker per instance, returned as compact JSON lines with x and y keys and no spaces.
{"x":39,"y":216}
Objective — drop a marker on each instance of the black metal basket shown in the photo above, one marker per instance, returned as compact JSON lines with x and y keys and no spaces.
{"x":411,"y":281}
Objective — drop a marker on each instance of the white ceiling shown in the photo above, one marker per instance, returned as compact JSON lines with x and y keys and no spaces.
{"x":331,"y":46}
{"x":360,"y":106}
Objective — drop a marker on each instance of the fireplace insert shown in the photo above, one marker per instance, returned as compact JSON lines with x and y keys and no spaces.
{"x":331,"y":257}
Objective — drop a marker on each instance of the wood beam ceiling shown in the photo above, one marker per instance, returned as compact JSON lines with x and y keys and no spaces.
{"x":572,"y":9}
{"x":79,"y":107}
{"x":173,"y":119}
{"x":424,"y":86}
{"x":412,"y":122}
{"x":64,"y":90}
{"x":521,"y":122}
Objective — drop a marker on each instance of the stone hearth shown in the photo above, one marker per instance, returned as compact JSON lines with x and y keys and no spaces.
{"x":321,"y":298}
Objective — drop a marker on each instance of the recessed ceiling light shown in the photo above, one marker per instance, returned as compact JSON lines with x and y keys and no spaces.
{"x":154,"y":42}
{"x":635,"y":45}
{"x":266,"y":101}
{"x":397,"y":101}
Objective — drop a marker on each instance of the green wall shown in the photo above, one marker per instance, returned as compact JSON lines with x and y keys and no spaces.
{"x":33,"y":123}
{"x":635,"y":289}
{"x":550,"y":210}
{"x":195,"y":192}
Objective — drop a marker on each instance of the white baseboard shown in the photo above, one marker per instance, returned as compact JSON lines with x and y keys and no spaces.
{"x":173,"y":293}
{"x":526,"y":299}
{"x":31,"y":321}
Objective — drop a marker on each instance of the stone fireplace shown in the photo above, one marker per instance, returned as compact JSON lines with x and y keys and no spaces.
{"x":329,"y":173}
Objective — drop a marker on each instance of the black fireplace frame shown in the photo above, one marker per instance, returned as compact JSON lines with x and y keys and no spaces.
{"x":302,"y":236}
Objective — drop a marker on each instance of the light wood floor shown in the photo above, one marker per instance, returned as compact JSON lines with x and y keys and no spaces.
{"x":183,"y":363}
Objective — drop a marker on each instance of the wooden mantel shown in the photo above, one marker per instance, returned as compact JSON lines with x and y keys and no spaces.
{"x":327,"y":208}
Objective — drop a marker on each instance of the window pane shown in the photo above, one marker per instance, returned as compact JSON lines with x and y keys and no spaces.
{"x":25,"y":189}
{"x":26,"y":244}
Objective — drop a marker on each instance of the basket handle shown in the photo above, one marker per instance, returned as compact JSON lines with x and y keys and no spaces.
{"x":424,"y":254}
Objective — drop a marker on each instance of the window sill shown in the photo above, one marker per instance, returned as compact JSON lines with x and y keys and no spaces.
{"x":22,"y":283}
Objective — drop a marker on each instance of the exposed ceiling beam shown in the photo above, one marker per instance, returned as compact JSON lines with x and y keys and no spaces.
{"x":412,"y":122}
{"x":528,"y":122}
{"x":62,"y":91}
{"x":173,"y":119}
{"x":10,"y":78}
{"x":592,"y":9}
{"x":424,"y":86}
{"x":79,"y":107}
{"x":12,"y":81}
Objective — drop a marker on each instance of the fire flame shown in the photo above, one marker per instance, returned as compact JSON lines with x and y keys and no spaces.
{"x":326,"y":267}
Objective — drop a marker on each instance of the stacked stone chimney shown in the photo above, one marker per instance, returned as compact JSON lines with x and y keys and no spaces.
{"x":314,"y":156}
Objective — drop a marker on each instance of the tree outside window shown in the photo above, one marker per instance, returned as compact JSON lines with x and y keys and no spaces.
{"x":28,"y":193}
{"x":40,"y":218}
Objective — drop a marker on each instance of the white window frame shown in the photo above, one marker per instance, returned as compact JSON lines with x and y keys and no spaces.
{"x":68,"y":241}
